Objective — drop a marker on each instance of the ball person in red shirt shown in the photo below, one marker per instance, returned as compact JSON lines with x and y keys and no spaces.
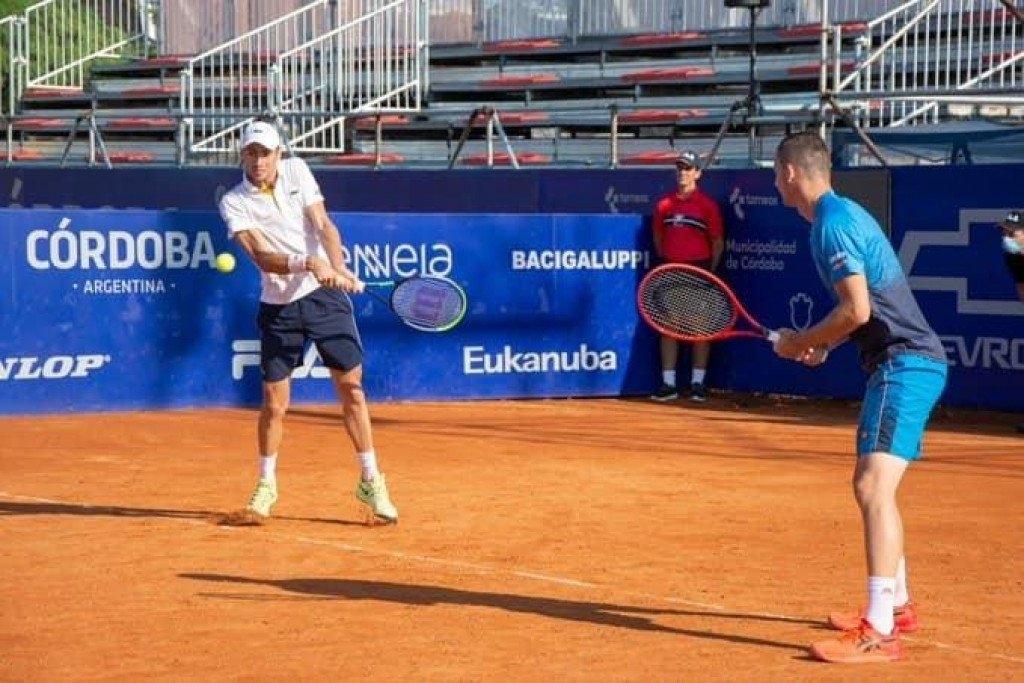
{"x":687,"y":229}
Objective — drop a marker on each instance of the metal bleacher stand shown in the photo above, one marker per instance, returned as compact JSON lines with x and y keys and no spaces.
{"x":583,"y":92}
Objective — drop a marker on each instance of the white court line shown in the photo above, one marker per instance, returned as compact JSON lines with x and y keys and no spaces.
{"x":536,"y":576}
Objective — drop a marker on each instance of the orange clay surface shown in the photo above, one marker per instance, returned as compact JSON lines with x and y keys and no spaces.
{"x":539,"y":540}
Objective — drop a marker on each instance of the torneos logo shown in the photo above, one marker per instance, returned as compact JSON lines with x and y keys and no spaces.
{"x":53,"y":367}
{"x":738,"y":199}
{"x":66,"y":249}
{"x":615,"y":200}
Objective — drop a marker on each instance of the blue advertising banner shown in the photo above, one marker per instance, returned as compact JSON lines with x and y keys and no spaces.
{"x":123,"y":309}
{"x":949,"y":246}
{"x":115,"y":309}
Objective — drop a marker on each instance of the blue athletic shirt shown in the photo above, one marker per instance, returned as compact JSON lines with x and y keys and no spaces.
{"x":846,"y":240}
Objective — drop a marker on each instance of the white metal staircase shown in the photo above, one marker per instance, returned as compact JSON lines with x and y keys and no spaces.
{"x":308,"y":69}
{"x":925,"y":59}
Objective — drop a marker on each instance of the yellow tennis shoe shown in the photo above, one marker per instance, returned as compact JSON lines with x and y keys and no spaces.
{"x":375,"y":495}
{"x":263,"y":498}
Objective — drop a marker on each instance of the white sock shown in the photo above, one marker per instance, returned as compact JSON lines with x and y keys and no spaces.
{"x":880,"y":601}
{"x":368,"y":464}
{"x":697,"y":376}
{"x":901,"y":594}
{"x":668,"y":377}
{"x":268,"y":468}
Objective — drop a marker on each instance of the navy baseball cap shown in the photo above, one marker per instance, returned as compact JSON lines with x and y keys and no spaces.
{"x":1013,"y":220}
{"x":688,"y":159}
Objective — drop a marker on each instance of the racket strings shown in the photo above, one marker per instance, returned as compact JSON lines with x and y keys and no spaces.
{"x":687,"y":304}
{"x":428,"y":303}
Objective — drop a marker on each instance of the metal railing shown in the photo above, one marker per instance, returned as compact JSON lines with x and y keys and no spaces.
{"x":480,"y":21}
{"x":923,"y":54}
{"x":61,"y":38}
{"x":10,"y":39}
{"x":375,"y":62}
{"x":330,"y":56}
{"x":232,"y":78}
{"x":194,"y":26}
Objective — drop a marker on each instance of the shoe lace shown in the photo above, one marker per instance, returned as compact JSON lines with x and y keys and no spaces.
{"x":863,"y":637}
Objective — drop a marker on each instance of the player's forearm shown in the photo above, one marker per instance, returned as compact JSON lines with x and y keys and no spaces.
{"x":331,"y":238}
{"x":834,"y":329}
{"x":281,"y":264}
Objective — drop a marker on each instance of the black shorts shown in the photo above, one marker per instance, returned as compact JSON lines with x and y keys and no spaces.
{"x":1015,"y":262}
{"x":324,"y":317}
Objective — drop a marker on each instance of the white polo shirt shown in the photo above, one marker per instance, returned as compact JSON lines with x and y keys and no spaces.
{"x":282,"y":220}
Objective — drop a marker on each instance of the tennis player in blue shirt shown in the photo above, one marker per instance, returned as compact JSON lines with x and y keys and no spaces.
{"x":907,"y":366}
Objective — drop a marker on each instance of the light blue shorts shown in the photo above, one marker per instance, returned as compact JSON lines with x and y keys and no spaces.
{"x":900,"y":396}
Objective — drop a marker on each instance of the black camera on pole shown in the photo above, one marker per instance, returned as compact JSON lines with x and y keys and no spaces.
{"x":751,"y":103}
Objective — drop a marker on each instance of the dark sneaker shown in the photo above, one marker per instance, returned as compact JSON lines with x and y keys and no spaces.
{"x":698,"y":392}
{"x":666,"y":392}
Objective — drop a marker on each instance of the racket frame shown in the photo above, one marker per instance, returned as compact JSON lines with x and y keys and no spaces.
{"x":730,"y":331}
{"x":395,"y":284}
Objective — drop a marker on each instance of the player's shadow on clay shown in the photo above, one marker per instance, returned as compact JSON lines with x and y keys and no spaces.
{"x":42,"y":508}
{"x":604,"y":614}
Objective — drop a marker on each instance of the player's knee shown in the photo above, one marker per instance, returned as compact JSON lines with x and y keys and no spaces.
{"x":865,"y":489}
{"x":275,"y":409}
{"x":871,"y":492}
{"x":352,"y":393}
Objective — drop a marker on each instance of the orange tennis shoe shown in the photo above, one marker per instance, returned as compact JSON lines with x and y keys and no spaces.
{"x":905,"y":616}
{"x":861,"y":645}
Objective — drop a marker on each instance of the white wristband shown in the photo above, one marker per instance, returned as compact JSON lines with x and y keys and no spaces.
{"x":297,"y":263}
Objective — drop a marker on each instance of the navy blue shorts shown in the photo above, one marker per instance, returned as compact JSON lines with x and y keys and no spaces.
{"x":324,"y":317}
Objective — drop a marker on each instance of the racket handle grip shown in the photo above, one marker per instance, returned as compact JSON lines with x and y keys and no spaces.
{"x":772,"y":335}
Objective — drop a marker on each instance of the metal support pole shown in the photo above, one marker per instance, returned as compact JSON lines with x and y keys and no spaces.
{"x":736,"y":106}
{"x":614,"y":157}
{"x":868,"y":142}
{"x":465,"y":135}
{"x":490,"y":138}
{"x":504,"y":138}
{"x":574,"y":21}
{"x":378,"y":137}
{"x":823,"y":76}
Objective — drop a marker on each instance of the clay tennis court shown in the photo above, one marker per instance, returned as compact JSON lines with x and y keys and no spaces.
{"x":572,"y":539}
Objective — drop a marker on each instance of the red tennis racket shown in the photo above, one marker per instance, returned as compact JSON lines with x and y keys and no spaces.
{"x":692,"y":305}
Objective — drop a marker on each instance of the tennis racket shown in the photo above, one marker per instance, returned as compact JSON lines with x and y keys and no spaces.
{"x":428,"y":303}
{"x":692,"y":305}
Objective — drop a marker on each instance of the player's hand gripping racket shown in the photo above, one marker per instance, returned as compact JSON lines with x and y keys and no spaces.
{"x":428,"y":303}
{"x":690,"y":304}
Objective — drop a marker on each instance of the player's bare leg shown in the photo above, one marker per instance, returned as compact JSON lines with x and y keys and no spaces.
{"x":372,"y":488}
{"x":269,"y":435}
{"x":270,"y":429}
{"x":875,"y":483}
{"x":355,"y":412}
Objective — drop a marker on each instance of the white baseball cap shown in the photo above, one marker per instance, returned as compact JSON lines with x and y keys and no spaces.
{"x":261,"y":133}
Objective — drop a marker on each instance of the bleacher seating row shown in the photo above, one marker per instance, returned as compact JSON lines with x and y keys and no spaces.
{"x":555,"y":100}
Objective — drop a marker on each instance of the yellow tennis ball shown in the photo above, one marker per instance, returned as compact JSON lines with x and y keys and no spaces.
{"x":225,"y":262}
